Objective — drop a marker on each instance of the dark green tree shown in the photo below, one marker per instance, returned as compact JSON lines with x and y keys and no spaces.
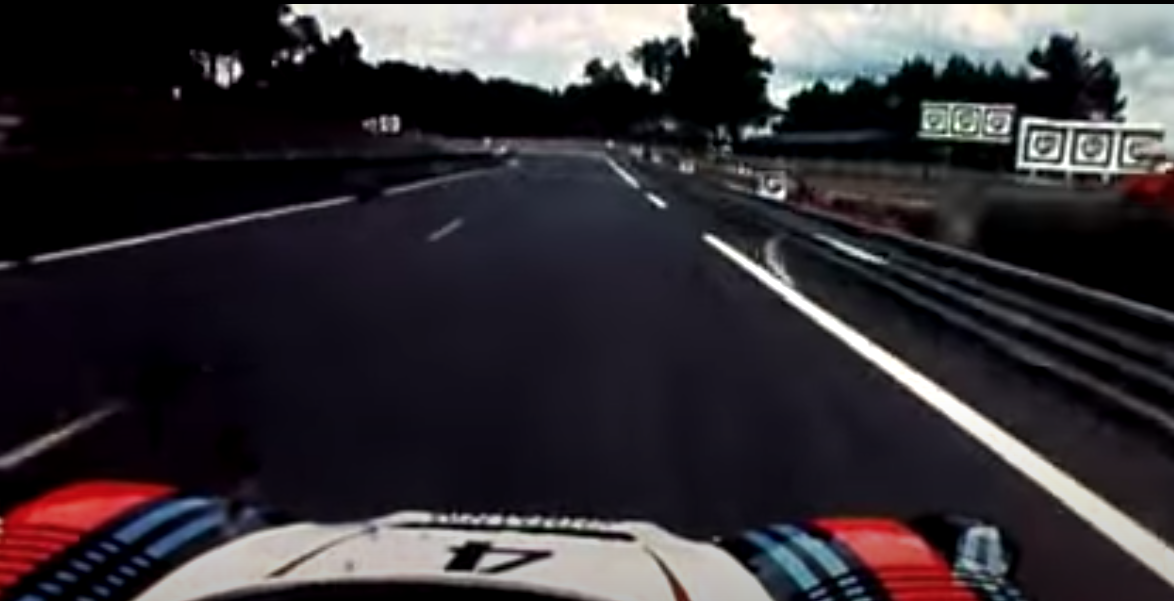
{"x":914,"y":81}
{"x":600,"y":74}
{"x":962,"y":78}
{"x":1070,"y":82}
{"x":813,"y":108}
{"x":1074,"y":83}
{"x":658,"y":59}
{"x":607,"y":103}
{"x":721,"y":84}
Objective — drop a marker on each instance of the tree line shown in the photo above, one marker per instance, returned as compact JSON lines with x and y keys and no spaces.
{"x":1061,"y":79}
{"x":107,"y":65}
{"x":115,"y":68}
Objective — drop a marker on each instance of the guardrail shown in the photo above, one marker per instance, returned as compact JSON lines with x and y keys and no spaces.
{"x":1119,"y":349}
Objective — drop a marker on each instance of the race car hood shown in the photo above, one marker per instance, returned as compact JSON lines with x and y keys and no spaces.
{"x":110,"y":541}
{"x":567,"y":557}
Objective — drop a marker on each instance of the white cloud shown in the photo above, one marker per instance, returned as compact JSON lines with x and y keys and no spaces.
{"x":546,"y":44}
{"x":549,"y":43}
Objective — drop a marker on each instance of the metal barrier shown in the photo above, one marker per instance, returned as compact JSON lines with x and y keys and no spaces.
{"x":1119,"y":349}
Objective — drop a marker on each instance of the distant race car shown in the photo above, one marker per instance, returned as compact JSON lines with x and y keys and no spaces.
{"x":114,"y":541}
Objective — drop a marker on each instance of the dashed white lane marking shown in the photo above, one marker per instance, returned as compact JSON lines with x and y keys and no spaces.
{"x":851,"y":250}
{"x":624,"y":175}
{"x":656,"y":201}
{"x":209,"y":226}
{"x":446,"y":231}
{"x":1126,"y":533}
{"x":46,"y":442}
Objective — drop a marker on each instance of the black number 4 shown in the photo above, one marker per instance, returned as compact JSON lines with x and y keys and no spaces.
{"x":472,"y":556}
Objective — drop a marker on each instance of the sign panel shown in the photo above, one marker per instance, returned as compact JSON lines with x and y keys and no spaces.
{"x":1133,"y":146}
{"x":383,"y":125}
{"x":1091,"y":147}
{"x":967,"y":122}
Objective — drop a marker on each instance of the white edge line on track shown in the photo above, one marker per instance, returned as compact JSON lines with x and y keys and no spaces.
{"x":624,"y":175}
{"x":446,"y":230}
{"x":209,"y":226}
{"x":437,"y":181}
{"x":656,"y":201}
{"x":1135,"y":540}
{"x":46,"y":442}
{"x":187,"y":230}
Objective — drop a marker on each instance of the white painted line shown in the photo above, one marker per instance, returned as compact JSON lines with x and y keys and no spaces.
{"x":446,"y":231}
{"x":851,"y":250}
{"x":436,"y":181}
{"x":656,"y":201}
{"x":188,"y":230}
{"x":624,"y":175}
{"x":208,"y":226}
{"x":46,"y":442}
{"x":1126,"y":533}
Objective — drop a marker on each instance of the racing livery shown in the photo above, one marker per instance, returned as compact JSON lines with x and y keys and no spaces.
{"x":103,"y":540}
{"x":110,"y":541}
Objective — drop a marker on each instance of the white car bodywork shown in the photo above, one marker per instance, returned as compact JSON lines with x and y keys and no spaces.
{"x":568,"y":558}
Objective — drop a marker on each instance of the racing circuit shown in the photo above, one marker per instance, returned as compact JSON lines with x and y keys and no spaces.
{"x":562,"y":334}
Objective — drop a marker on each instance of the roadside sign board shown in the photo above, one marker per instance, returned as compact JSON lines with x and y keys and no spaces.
{"x":967,"y":122}
{"x":383,"y":125}
{"x":1085,"y":147}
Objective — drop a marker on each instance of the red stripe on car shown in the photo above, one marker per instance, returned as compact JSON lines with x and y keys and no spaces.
{"x":906,"y":566}
{"x":36,"y":532}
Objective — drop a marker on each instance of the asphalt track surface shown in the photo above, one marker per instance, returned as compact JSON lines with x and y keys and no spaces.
{"x":538,"y":338}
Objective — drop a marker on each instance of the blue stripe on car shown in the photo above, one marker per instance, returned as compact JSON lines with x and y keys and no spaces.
{"x":137,"y":529}
{"x":828,"y":559}
{"x":172,"y":542}
{"x":785,"y":559}
{"x":817,"y":549}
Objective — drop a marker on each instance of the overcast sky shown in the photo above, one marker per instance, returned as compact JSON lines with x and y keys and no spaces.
{"x":548,"y":44}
